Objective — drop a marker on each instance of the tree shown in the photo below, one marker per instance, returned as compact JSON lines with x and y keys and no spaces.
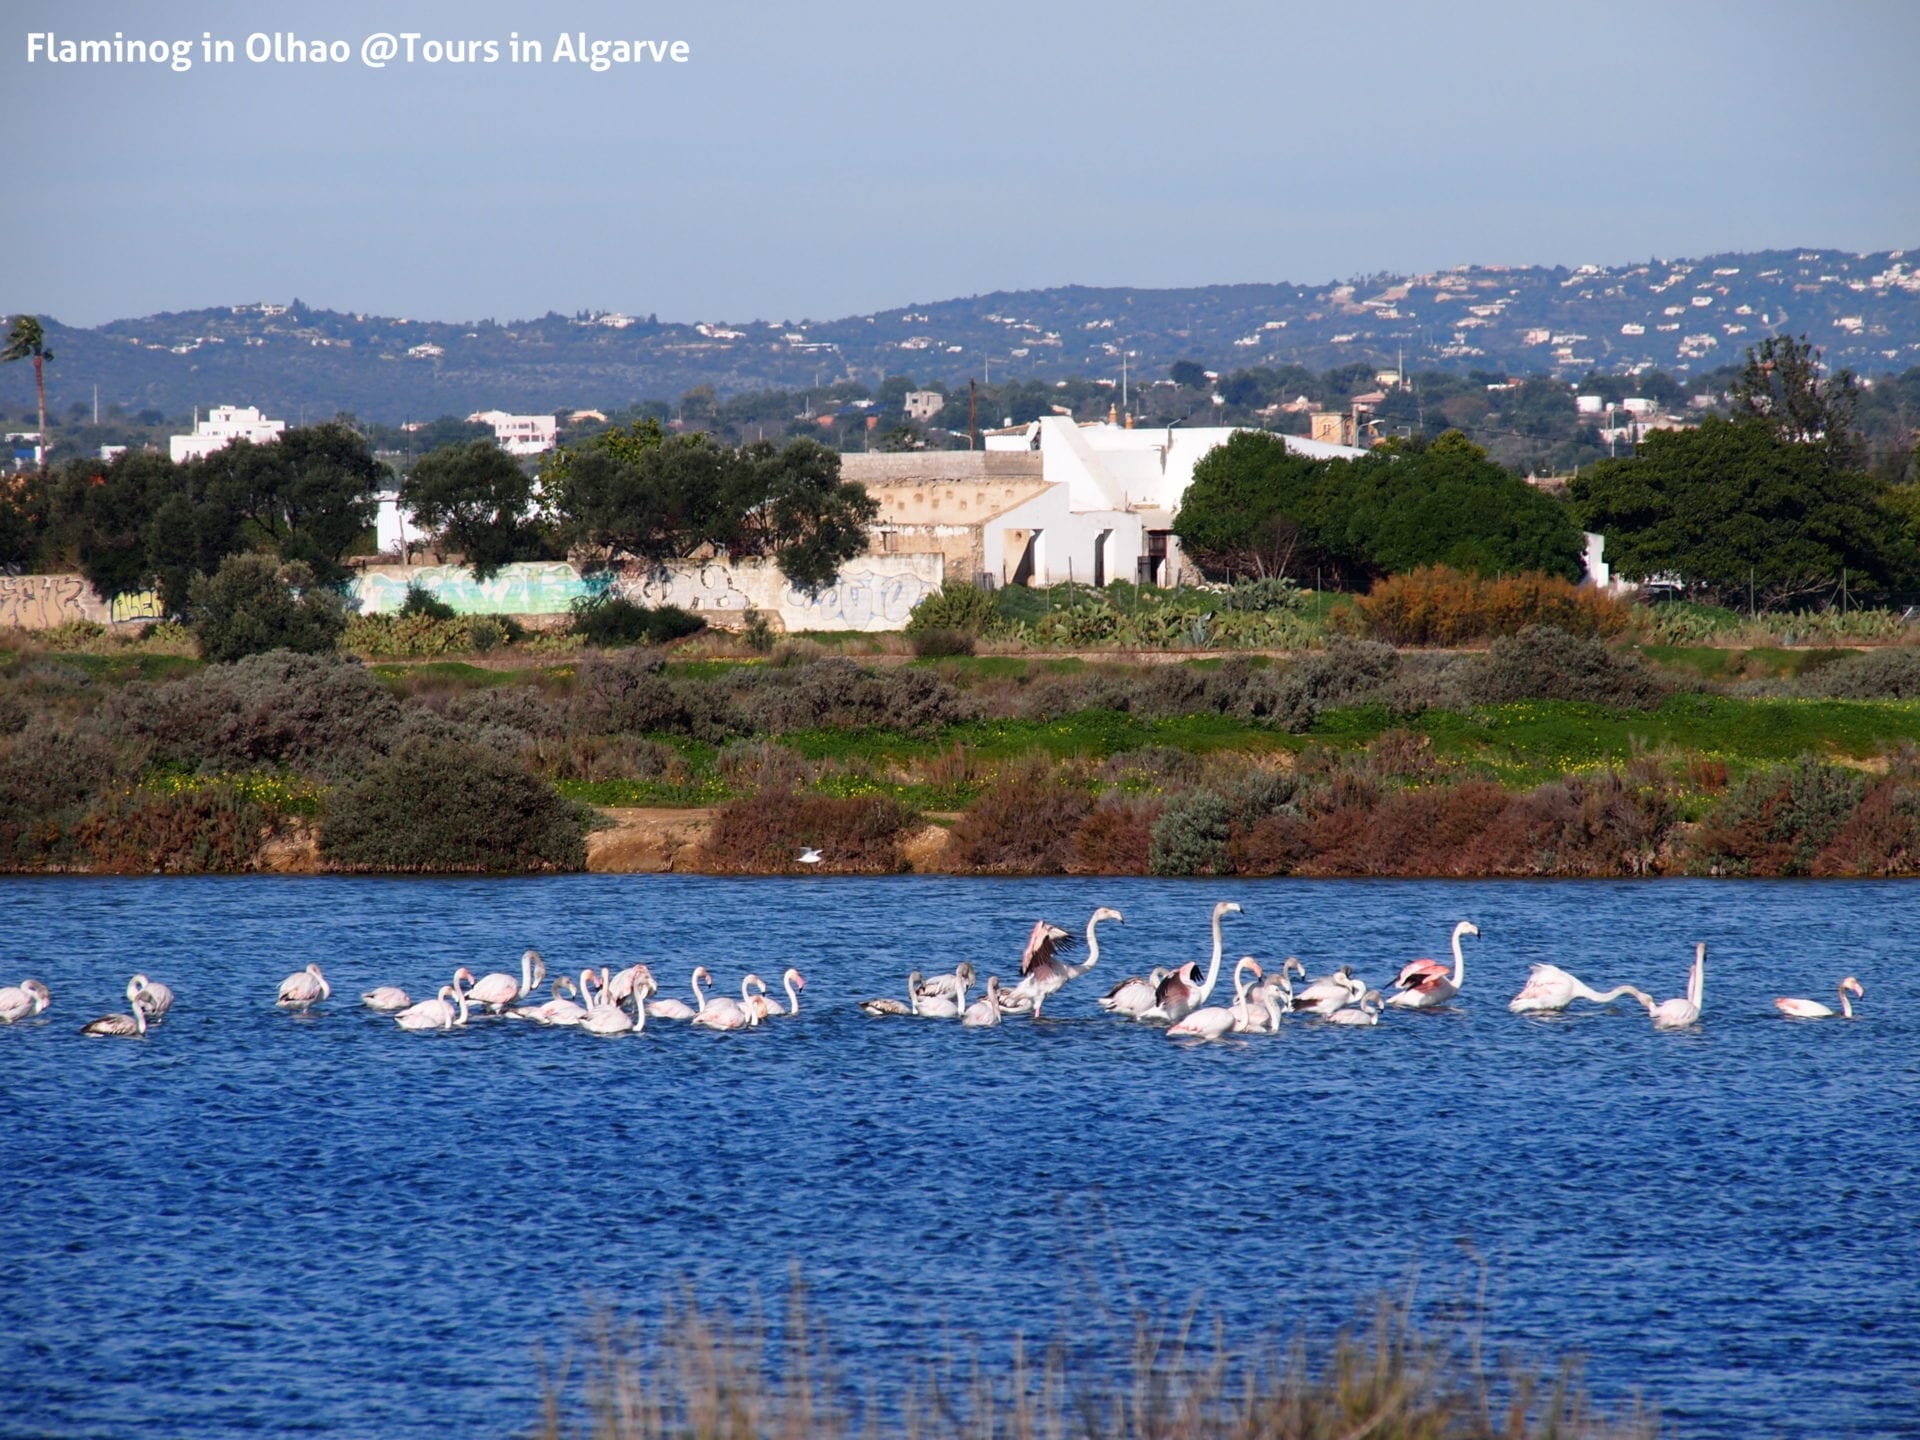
{"x":1780,"y":386}
{"x":1734,"y":503}
{"x":28,"y":341}
{"x":1187,"y":374}
{"x":793,"y":505}
{"x":1446,"y":503}
{"x":1251,"y":510}
{"x":476,"y":498}
{"x":310,"y":494}
{"x":254,"y":604}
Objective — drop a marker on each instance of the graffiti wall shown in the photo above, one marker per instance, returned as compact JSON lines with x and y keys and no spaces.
{"x":874,"y":592}
{"x":40,"y":602}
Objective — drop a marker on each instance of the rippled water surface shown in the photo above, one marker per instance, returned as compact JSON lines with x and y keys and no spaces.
{"x":255,"y":1221}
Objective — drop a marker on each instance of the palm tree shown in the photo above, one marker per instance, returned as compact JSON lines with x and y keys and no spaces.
{"x":27,"y":338}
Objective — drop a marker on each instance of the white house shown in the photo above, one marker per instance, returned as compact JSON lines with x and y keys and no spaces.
{"x":520,"y":434}
{"x":224,"y":425}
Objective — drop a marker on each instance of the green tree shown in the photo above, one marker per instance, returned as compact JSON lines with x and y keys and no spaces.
{"x":309,"y":494}
{"x":28,"y":341}
{"x":476,"y":498}
{"x":1734,"y":503}
{"x":1253,"y":508}
{"x":791,"y":503}
{"x":1187,"y":374}
{"x":1781,"y":386}
{"x":1446,"y":503}
{"x":253,"y":604}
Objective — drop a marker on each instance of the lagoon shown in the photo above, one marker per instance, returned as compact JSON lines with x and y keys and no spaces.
{"x":255,"y":1221}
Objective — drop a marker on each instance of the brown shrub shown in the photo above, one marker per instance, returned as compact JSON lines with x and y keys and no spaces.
{"x":1590,"y":825}
{"x":1273,"y":845}
{"x":764,"y":834}
{"x":1436,"y":605}
{"x":1776,"y":821}
{"x":204,"y":829}
{"x":1882,"y":837}
{"x":1430,"y":831}
{"x":1116,"y":837}
{"x":1024,"y":824}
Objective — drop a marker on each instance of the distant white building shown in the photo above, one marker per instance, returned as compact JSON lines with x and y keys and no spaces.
{"x":395,"y":532}
{"x":924,"y":404}
{"x":224,"y":425}
{"x":519,"y":434}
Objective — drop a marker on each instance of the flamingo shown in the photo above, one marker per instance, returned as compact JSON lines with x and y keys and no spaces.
{"x":1814,"y":1010}
{"x":23,"y":1001}
{"x":1183,"y":992}
{"x":1043,"y":972}
{"x":723,"y":1012}
{"x":127,"y":1025}
{"x":304,"y":989}
{"x":159,"y":997}
{"x":1260,"y":1012}
{"x":1549,"y":987}
{"x":955,"y":985}
{"x":1680,"y":1013}
{"x":1133,"y":995}
{"x":1329,"y":993}
{"x":930,"y":1004}
{"x":673,"y":1008}
{"x":560,"y":1010}
{"x":986,"y":1010}
{"x":794,"y":982}
{"x":1423,"y":984}
{"x":1211,"y":1022}
{"x":610,"y":1018}
{"x":887,"y":1005}
{"x":497,"y":990}
{"x":1367,"y":1012}
{"x":436,"y":1014}
{"x":386,"y":998}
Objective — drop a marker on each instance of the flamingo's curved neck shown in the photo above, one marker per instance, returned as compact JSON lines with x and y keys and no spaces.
{"x":1459,"y":959}
{"x":699,"y":1000}
{"x":1846,"y":1004}
{"x":1093,"y":943}
{"x":793,"y":996}
{"x":639,"y":1010}
{"x":1697,"y":977}
{"x":1213,"y":966}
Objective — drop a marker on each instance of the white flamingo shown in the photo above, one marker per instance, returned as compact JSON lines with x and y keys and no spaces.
{"x":986,"y":1010}
{"x":953,"y":986}
{"x":723,"y":1012}
{"x":1366,"y":1012}
{"x":612,"y":1019}
{"x":497,"y":990}
{"x":1814,"y":1010}
{"x":1260,"y":1013}
{"x":887,"y":1005}
{"x":386,"y":998}
{"x":1043,"y":972}
{"x":1680,"y":1013}
{"x":438,"y":1013}
{"x":122,"y":1025}
{"x":1330,"y":993}
{"x":23,"y":1001}
{"x":930,"y":1004}
{"x":1211,"y":1022}
{"x":159,"y":998}
{"x":1550,"y":988}
{"x":561,"y":1009}
{"x":794,"y":982}
{"x":304,"y":989}
{"x":1134,"y":995}
{"x":1423,"y":984}
{"x":673,"y":1008}
{"x":1184,"y":992}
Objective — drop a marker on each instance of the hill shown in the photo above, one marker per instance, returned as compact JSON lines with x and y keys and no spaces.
{"x":1679,"y":316}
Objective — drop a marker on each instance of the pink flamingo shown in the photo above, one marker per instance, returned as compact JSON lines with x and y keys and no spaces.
{"x":1211,"y":1022}
{"x":1043,"y":972}
{"x":1367,"y":1012}
{"x":1549,"y":988}
{"x":723,"y":1012}
{"x":1330,"y":993}
{"x":304,"y":989}
{"x":497,"y":990}
{"x":986,"y":1010}
{"x":23,"y":1001}
{"x":673,"y":1008}
{"x":437,"y":1013}
{"x":1680,"y":1013}
{"x":1814,"y":1010}
{"x":1183,"y":992}
{"x":887,"y":1005}
{"x":794,"y":982}
{"x":1424,"y":984}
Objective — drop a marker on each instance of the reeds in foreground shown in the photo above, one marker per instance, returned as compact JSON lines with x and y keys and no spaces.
{"x":705,"y":1374}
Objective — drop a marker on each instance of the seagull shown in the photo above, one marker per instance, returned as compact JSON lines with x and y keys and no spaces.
{"x":809,"y":856}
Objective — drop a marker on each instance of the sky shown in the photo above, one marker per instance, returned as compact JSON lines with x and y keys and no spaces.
{"x":813,"y":161}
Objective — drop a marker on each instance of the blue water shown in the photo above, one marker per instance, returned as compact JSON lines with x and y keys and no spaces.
{"x":255,"y":1221}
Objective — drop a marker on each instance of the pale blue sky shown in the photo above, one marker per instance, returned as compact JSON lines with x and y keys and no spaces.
{"x":816,"y":160}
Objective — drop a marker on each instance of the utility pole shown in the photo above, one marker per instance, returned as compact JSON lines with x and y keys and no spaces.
{"x":973,"y":405}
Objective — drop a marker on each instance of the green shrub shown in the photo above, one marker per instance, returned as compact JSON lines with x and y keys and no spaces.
{"x":938,"y":641}
{"x":423,"y":603}
{"x":954,"y":606}
{"x":1875,"y":675}
{"x":1543,"y":663}
{"x":837,"y":692}
{"x":757,"y":633}
{"x":49,"y":777}
{"x":320,"y":714}
{"x":1190,"y":837}
{"x":440,"y":805}
{"x":610,"y":620}
{"x":405,"y":636}
{"x":1777,"y":820}
{"x":1263,"y":595}
{"x":254,"y":604}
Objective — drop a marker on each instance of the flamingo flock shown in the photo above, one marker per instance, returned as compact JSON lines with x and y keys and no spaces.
{"x":1174,"y":998}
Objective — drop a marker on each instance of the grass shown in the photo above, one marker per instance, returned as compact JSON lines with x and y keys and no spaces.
{"x":1712,"y":662}
{"x":705,"y":1374}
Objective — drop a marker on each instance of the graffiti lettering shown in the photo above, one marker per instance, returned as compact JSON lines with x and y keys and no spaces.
{"x":40,"y":602}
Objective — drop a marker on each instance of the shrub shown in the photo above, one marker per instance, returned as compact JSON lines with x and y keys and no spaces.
{"x":201,"y":829}
{"x":48,"y":778}
{"x":1263,"y":595}
{"x":1882,"y":837}
{"x":630,"y":694}
{"x":1272,"y":845}
{"x":937,"y":641}
{"x":1022,"y":824}
{"x":751,"y":765}
{"x":1589,"y":825}
{"x":593,"y":758}
{"x":1435,"y":605}
{"x":1116,"y":838}
{"x":757,"y":633}
{"x":1542,"y":663}
{"x":1875,"y":675}
{"x":610,"y":620}
{"x":1429,"y":831}
{"x":254,"y":604}
{"x":441,"y":805}
{"x":954,"y":606}
{"x":1777,"y":820}
{"x":322,"y":714}
{"x":1190,"y":837}
{"x":1347,"y":673}
{"x":837,"y":692}
{"x":423,"y":603}
{"x":765,"y":834}
{"x":408,"y":636}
